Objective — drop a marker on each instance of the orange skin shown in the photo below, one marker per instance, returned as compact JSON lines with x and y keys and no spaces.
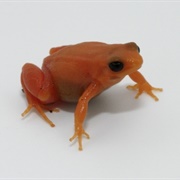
{"x":77,"y":73}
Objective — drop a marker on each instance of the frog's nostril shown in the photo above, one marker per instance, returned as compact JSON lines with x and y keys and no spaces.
{"x":138,"y":48}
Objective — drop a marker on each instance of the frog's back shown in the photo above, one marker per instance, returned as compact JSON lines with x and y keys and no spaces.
{"x":85,"y":50}
{"x":71,"y":68}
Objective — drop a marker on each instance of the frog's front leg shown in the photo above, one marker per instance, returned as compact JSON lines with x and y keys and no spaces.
{"x":81,"y":111}
{"x":142,"y":85}
{"x":37,"y":92}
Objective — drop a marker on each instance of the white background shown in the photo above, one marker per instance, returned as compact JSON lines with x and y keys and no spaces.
{"x":129,"y":138}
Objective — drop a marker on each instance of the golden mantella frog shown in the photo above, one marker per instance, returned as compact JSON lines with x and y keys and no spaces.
{"x":78,"y":73}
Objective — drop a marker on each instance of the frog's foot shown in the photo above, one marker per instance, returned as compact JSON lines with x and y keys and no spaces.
{"x":41,"y":112}
{"x":146,"y":87}
{"x":78,"y":134}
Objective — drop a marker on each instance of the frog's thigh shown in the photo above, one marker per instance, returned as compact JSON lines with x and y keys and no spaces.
{"x":32,"y":78}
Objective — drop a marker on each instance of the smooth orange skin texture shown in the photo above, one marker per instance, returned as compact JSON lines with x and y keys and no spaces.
{"x":77,"y":73}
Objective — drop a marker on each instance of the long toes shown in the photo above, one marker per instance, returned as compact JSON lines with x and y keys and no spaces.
{"x":153,"y":96}
{"x":41,"y":112}
{"x":78,"y":135}
{"x":157,"y":89}
{"x":73,"y":137}
{"x":86,"y":134}
{"x":80,"y":143}
{"x":138,"y":94}
{"x":27,"y":110}
{"x":131,"y":87}
{"x":134,"y":87}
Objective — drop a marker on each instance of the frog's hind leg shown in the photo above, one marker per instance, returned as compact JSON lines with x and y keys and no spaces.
{"x":32,"y":81}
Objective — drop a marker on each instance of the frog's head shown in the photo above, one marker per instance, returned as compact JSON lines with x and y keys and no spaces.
{"x":120,"y":60}
{"x":125,"y":59}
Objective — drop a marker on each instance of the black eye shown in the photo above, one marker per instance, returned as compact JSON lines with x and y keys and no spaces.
{"x":116,"y":66}
{"x":138,"y":49}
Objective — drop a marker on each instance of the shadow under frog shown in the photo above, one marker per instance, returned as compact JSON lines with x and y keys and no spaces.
{"x":115,"y":100}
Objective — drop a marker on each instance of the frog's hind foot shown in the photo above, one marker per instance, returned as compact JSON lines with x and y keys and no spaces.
{"x":41,"y":112}
{"x":36,"y":91}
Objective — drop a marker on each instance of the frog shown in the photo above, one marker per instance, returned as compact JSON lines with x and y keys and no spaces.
{"x":78,"y":73}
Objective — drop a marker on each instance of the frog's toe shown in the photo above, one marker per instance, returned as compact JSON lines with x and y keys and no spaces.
{"x":157,"y":89}
{"x":152,"y":95}
{"x":138,"y":94}
{"x":27,"y":110}
{"x":134,"y":87}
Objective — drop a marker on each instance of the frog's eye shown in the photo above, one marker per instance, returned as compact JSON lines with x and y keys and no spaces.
{"x":116,"y":66}
{"x":138,"y":48}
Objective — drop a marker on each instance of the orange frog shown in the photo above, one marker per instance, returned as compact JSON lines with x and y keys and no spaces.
{"x":77,"y":73}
